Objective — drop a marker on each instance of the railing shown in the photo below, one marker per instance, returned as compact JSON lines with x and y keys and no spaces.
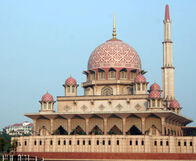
{"x":19,"y":158}
{"x":107,"y":143}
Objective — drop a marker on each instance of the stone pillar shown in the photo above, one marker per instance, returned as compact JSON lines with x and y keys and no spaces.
{"x":51,"y":126}
{"x":143,"y":125}
{"x":105,"y":125}
{"x":124,"y":125}
{"x":69,"y":125}
{"x":87,"y":125}
{"x":172,"y":144}
{"x":34,"y":127}
{"x":163,"y":125}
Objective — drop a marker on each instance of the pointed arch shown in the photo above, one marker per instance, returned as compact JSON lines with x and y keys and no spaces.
{"x":60,"y":131}
{"x":101,"y":74}
{"x":96,"y":131}
{"x":134,"y":131}
{"x":115,"y":131}
{"x":78,"y":131}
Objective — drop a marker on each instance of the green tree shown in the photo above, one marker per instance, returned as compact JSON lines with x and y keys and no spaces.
{"x":14,"y":145}
{"x":2,"y":144}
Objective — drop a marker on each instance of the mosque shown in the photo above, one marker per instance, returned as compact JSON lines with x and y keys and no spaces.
{"x":118,"y":117}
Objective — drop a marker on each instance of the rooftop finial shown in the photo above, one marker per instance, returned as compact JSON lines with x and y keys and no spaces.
{"x":114,"y":28}
{"x":167,"y":12}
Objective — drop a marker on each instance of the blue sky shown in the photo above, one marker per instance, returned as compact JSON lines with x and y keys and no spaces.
{"x":42,"y":42}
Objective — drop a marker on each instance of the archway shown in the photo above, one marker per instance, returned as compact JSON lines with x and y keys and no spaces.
{"x":134,"y":131}
{"x":60,"y":131}
{"x":78,"y":131}
{"x":115,"y":131}
{"x":96,"y":131}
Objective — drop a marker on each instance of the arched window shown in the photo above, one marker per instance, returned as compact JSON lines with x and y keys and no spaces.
{"x":107,"y":91}
{"x":138,"y":87}
{"x":92,"y":75}
{"x":123,"y":74}
{"x":45,"y":106}
{"x":49,"y":106}
{"x":101,"y":74}
{"x":73,"y":89}
{"x":132,"y":75}
{"x":112,"y":74}
{"x":68,"y":88}
{"x":153,"y":103}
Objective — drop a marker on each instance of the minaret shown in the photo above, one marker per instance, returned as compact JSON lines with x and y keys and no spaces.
{"x":167,"y":69}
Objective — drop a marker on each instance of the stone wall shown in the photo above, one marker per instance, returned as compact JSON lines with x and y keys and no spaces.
{"x":107,"y":143}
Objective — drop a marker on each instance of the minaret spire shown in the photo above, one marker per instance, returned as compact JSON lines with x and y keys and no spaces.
{"x":167,"y":12}
{"x":167,"y":69}
{"x":114,"y":28}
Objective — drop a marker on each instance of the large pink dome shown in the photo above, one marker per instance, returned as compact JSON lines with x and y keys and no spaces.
{"x":114,"y":54}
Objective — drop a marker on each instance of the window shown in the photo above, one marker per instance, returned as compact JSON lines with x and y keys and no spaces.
{"x":138,"y":87}
{"x":40,"y":143}
{"x":78,"y":142}
{"x":130,"y":142}
{"x":155,"y":143}
{"x":69,"y":142}
{"x":161,"y":143}
{"x":25,"y":143}
{"x":89,"y":142}
{"x":97,"y":142}
{"x":117,"y":142}
{"x":191,"y":144}
{"x":123,"y":74}
{"x":158,"y":103}
{"x":68,"y":88}
{"x":102,"y":74}
{"x":143,"y":87}
{"x":185,"y":143}
{"x":44,"y":106}
{"x":59,"y":142}
{"x":136,"y":142}
{"x":179,"y":143}
{"x":51,"y":142}
{"x":103,"y":142}
{"x":132,"y":75}
{"x":83,"y":142}
{"x":112,"y":74}
{"x":167,"y":143}
{"x":73,"y":89}
{"x":35,"y":143}
{"x":49,"y":106}
{"x":109,"y":142}
{"x":142,"y":142}
{"x":64,"y":142}
{"x":153,"y":103}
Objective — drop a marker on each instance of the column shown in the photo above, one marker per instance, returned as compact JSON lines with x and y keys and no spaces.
{"x":124,"y":125}
{"x":105,"y":125}
{"x":34,"y":127}
{"x":51,"y":126}
{"x":87,"y":125}
{"x":69,"y":125}
{"x":143,"y":125}
{"x":163,"y":125}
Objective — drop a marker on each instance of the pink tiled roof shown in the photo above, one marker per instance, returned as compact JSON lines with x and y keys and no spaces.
{"x":155,"y":94}
{"x":155,"y":87}
{"x":70,"y":81}
{"x":47,"y":97}
{"x":114,"y":53}
{"x":174,"y":104}
{"x":140,"y":79}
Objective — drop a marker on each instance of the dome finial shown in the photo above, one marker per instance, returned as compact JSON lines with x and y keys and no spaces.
{"x":114,"y":28}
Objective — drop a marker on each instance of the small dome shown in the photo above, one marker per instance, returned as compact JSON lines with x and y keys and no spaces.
{"x":174,"y":104}
{"x":114,"y":53}
{"x":47,"y":98}
{"x":154,"y":94}
{"x":140,"y":79}
{"x":70,"y":81}
{"x":155,"y":87}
